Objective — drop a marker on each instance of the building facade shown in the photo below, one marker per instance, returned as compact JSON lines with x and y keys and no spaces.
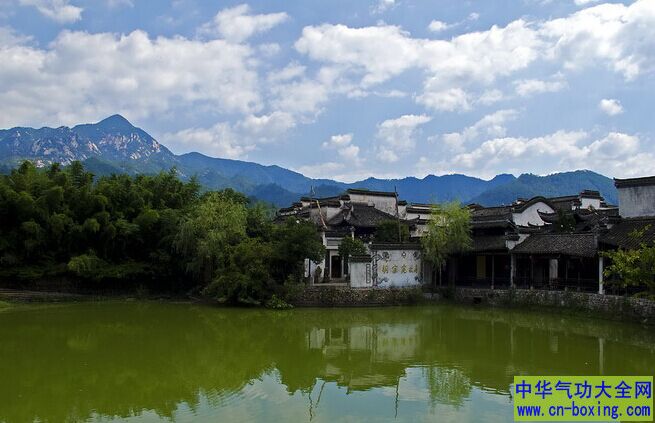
{"x":542,"y":243}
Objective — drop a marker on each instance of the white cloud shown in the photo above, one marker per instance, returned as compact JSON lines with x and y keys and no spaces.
{"x":267,"y":127}
{"x":293,"y":70}
{"x":447,"y":100}
{"x":613,"y":34}
{"x":322,"y":170}
{"x":337,"y":141}
{"x":397,"y":136}
{"x":615,"y":146}
{"x":237,"y":24}
{"x":438,"y":26}
{"x":305,"y":96}
{"x":219,"y":140}
{"x":119,"y":3}
{"x":350,"y":153}
{"x":490,"y":97}
{"x":455,"y":70}
{"x":528,"y":87}
{"x":231,"y":140}
{"x":82,"y":77}
{"x":585,"y":2}
{"x":560,"y":151}
{"x":58,"y":10}
{"x":491,"y":125}
{"x":611,"y":106}
{"x":382,"y":6}
{"x":342,"y":143}
{"x":382,"y":52}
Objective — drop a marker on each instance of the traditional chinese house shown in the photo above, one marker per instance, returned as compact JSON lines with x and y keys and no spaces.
{"x":541,"y":243}
{"x":357,"y":213}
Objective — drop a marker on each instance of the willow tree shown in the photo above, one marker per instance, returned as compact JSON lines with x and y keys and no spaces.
{"x":448,"y":233}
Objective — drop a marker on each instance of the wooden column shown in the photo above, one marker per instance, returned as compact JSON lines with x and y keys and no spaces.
{"x":493,"y":270}
{"x":512,"y":269}
{"x":601,"y":287}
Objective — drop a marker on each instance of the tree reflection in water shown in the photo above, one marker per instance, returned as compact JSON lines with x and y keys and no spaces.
{"x":173,"y":361}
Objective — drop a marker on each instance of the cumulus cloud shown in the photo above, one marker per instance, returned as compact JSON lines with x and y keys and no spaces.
{"x":231,"y":140}
{"x":82,"y":77}
{"x":58,"y":10}
{"x":560,"y":151}
{"x":237,"y":24}
{"x":447,"y":100}
{"x":528,"y":87}
{"x":438,"y":26}
{"x":612,"y":34}
{"x":219,"y":140}
{"x":491,"y":125}
{"x":458,"y":72}
{"x":342,"y":143}
{"x":610,"y":106}
{"x":397,"y":136}
{"x":337,"y":141}
{"x":266,"y":127}
{"x":382,"y":52}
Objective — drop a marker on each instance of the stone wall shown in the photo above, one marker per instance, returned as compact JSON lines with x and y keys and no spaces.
{"x":595,"y":305}
{"x":331,"y":296}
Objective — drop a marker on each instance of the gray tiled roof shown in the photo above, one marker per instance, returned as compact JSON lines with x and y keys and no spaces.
{"x":574,"y":244}
{"x":360,"y":216}
{"x":620,"y":236}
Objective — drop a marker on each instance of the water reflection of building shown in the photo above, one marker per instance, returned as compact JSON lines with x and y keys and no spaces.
{"x":365,"y":356}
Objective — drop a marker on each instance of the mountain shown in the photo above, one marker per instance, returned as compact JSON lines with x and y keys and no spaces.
{"x":113,"y":140}
{"x":565,"y":183}
{"x":114,"y":145}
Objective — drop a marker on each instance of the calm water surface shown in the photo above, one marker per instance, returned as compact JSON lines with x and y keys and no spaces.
{"x":147,"y":362}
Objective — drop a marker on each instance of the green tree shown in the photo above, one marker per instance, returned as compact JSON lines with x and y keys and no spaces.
{"x":205,"y":235}
{"x":634,"y":267}
{"x":448,"y":233}
{"x":388,"y":231}
{"x":351,"y":247}
{"x":293,"y":242}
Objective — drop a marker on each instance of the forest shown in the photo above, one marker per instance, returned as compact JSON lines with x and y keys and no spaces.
{"x":62,"y":229}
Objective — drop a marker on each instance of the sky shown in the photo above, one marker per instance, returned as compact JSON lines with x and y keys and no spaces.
{"x":348,"y":89}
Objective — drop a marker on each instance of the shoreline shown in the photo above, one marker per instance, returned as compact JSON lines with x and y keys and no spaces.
{"x":595,"y":306}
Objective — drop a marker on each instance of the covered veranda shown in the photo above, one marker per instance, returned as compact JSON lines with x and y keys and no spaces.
{"x":558,"y":261}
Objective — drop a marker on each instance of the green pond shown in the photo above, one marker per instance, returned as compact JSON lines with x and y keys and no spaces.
{"x":144,"y":362}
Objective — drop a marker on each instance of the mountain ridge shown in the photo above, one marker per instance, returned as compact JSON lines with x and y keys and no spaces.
{"x":114,"y":145}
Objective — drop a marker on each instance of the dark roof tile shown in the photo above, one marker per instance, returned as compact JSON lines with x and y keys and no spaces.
{"x":574,"y":244}
{"x":620,"y":235}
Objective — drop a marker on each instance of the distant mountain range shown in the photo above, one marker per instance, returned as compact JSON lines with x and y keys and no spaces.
{"x":114,"y":145}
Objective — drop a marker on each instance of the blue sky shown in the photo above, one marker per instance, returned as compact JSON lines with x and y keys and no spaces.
{"x":344,"y":89}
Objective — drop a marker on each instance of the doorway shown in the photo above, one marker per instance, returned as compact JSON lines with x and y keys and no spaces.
{"x":335,"y":267}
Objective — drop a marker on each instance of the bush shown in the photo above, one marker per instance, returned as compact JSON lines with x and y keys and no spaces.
{"x":276,"y":303}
